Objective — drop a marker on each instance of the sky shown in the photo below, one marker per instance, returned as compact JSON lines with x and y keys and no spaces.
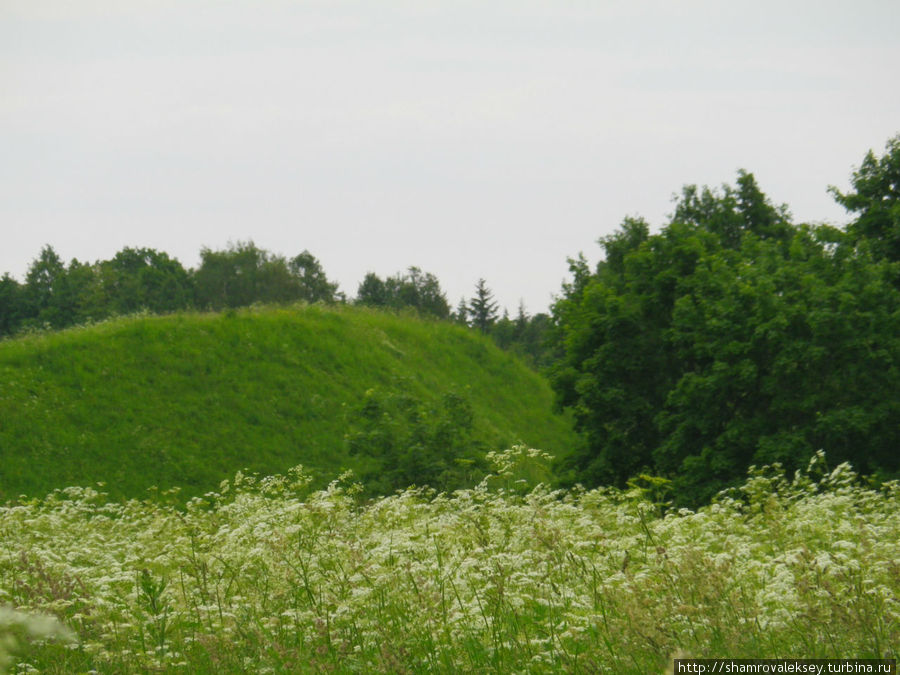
{"x":474,"y":139}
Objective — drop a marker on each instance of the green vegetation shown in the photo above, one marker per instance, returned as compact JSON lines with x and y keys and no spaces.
{"x":268,"y":576}
{"x":416,"y":290}
{"x":731,"y":337}
{"x":187,"y":399}
{"x":734,"y":337}
{"x":875,"y":200}
{"x":56,"y":295}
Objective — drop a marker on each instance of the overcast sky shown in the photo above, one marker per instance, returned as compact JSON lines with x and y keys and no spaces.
{"x":473,"y":139}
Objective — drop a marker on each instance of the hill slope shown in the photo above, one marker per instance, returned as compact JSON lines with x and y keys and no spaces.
{"x":188,"y":399}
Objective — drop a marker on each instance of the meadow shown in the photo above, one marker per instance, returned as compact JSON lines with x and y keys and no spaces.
{"x":269,"y":575}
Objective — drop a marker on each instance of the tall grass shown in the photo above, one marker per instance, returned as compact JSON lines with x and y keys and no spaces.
{"x":270,"y":576}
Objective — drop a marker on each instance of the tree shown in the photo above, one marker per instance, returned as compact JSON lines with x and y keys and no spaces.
{"x":314,"y":286}
{"x":461,"y":316}
{"x":78,"y":296}
{"x":535,"y":342}
{"x":522,"y":320}
{"x":417,"y":290}
{"x":730,"y":213}
{"x":243,"y":274}
{"x":720,"y":343}
{"x":412,"y":442}
{"x":228,"y":278}
{"x":372,"y":291}
{"x":144,"y":278}
{"x":428,"y":297}
{"x":876,"y":201}
{"x":41,"y":284}
{"x":482,"y":307}
{"x":12,"y":305}
{"x":503,"y":331}
{"x":788,"y":354}
{"x":610,"y":328}
{"x":530,"y":337}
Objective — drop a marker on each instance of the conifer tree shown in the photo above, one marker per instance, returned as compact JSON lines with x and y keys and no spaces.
{"x":461,"y":316}
{"x":482,"y":308}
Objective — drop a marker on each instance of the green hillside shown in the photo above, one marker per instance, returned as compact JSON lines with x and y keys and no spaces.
{"x":186,"y":400}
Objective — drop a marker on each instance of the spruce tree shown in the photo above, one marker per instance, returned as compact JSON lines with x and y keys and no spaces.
{"x":482,"y":308}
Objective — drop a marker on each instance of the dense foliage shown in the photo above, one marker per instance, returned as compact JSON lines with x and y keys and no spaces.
{"x":416,"y":290}
{"x":56,"y":295}
{"x":733,"y":337}
{"x":244,"y":274}
{"x":526,"y":335}
{"x":411,"y":442}
{"x":875,"y":200}
{"x":268,"y":576}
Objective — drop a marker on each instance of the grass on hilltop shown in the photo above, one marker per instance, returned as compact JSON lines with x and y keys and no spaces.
{"x":188,"y":399}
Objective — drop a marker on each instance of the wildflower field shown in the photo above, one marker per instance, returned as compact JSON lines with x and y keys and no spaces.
{"x":268,"y":575}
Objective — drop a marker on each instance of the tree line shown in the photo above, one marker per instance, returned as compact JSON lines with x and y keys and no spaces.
{"x":736,"y":337}
{"x":57,"y":295}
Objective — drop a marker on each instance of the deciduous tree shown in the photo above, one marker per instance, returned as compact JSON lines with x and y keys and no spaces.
{"x":729,"y":338}
{"x":417,"y":290}
{"x":875,"y":199}
{"x":314,"y":286}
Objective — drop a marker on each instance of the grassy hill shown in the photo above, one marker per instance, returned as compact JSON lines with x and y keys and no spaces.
{"x":186,"y":400}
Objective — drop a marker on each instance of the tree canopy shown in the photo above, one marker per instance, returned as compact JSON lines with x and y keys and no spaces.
{"x":57,"y":295}
{"x":876,"y":201}
{"x":416,"y":290}
{"x":482,"y":307}
{"x":732,"y":337}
